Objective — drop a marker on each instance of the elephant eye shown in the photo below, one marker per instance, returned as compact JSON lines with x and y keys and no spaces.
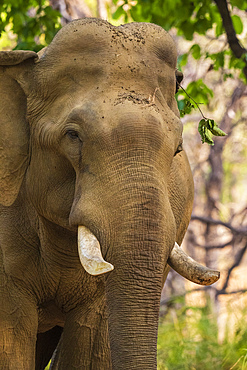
{"x":179,"y":79}
{"x":72,"y":134}
{"x":179,"y":149}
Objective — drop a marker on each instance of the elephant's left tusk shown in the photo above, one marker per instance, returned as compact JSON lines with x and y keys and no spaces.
{"x":90,"y":253}
{"x":190,"y":269}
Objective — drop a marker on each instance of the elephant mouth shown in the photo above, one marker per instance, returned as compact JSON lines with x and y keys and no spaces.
{"x":92,"y":260}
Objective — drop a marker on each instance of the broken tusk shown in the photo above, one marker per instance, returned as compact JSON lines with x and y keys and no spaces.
{"x":190,"y":269}
{"x":90,"y":253}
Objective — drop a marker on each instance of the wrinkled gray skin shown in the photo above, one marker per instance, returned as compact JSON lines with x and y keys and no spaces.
{"x":91,"y":136}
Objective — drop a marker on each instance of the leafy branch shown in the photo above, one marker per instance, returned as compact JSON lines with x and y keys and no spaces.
{"x":207,"y":127}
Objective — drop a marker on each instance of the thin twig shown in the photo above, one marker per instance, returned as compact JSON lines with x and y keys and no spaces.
{"x":192,"y":100}
{"x":223,"y":292}
{"x":219,"y":246}
{"x":237,"y":260}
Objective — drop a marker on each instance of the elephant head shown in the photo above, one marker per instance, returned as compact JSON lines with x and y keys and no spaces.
{"x":91,"y":136}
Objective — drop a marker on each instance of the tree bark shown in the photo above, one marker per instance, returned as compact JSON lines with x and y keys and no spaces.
{"x":237,"y":49}
{"x":71,"y":9}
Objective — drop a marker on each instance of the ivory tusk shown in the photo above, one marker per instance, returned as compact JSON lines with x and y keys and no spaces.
{"x":190,"y":269}
{"x":90,"y":253}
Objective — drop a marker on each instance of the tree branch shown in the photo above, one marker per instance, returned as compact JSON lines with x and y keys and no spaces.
{"x":208,"y":220}
{"x":237,"y":261}
{"x":237,"y":49}
{"x":219,"y":246}
{"x":233,"y":292}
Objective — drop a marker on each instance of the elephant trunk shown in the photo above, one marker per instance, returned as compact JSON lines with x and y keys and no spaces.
{"x":134,"y":287}
{"x":133,"y":301}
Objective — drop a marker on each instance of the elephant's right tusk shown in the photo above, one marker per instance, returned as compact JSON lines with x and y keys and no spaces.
{"x":190,"y":269}
{"x":90,"y":253}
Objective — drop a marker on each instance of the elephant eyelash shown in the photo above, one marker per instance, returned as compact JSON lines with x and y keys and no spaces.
{"x":72,"y":134}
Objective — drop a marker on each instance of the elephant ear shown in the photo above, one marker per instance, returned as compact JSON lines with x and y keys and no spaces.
{"x":14,"y":130}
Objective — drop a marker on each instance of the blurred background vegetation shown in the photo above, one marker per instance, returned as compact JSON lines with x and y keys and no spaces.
{"x":200,"y":328}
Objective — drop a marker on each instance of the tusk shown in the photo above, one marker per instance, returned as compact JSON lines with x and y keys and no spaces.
{"x":190,"y":269}
{"x":90,"y":253}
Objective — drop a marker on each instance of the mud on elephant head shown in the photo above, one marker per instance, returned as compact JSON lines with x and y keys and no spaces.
{"x":91,"y":148}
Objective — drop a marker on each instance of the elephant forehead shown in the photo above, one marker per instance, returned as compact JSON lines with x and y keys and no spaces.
{"x":98,"y":39}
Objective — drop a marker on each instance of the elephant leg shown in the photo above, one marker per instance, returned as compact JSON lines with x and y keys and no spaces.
{"x":46,"y":345}
{"x":84,"y":343}
{"x":18,"y":328}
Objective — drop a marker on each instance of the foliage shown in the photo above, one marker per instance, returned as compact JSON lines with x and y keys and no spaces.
{"x":196,"y":91}
{"x":207,"y":127}
{"x":188,"y":339}
{"x":33,"y":21}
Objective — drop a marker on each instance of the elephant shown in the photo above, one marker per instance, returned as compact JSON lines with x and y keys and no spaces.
{"x":96,"y":196}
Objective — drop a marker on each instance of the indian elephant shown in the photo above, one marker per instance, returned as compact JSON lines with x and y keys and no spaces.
{"x":92,"y":170}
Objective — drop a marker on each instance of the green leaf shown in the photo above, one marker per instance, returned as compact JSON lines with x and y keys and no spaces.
{"x":237,"y":63}
{"x":182,"y":60}
{"x":241,"y":4}
{"x":199,"y":91}
{"x":187,"y":30}
{"x":221,"y":59}
{"x":207,"y":128}
{"x":118,"y":13}
{"x":208,"y":137}
{"x":237,"y":23}
{"x":185,"y":106}
{"x":204,"y":132}
{"x":213,"y":127}
{"x":196,"y":51}
{"x":201,"y":126}
{"x":219,"y":29}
